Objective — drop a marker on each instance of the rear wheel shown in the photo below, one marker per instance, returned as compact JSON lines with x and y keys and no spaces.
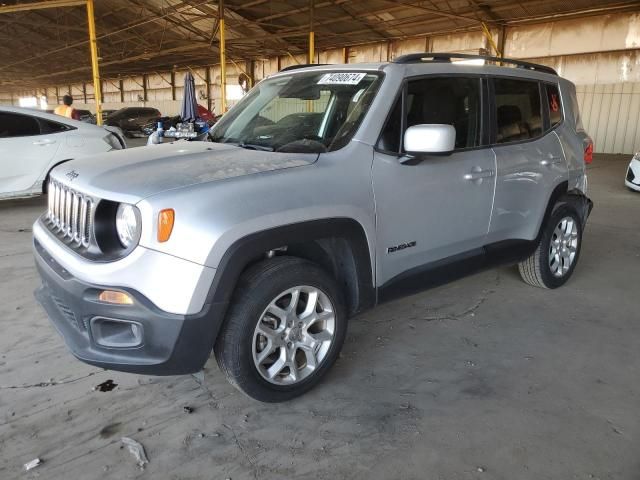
{"x":284,"y":329}
{"x":553,"y":262}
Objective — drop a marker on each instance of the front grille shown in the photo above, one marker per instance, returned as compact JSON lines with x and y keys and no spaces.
{"x":70,"y":213}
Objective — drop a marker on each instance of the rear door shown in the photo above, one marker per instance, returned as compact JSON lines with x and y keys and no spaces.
{"x":26,"y":151}
{"x":529,"y":157}
{"x":441,"y":206}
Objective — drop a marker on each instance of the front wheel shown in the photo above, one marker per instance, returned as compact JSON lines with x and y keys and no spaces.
{"x":284,"y":329}
{"x":555,"y":258}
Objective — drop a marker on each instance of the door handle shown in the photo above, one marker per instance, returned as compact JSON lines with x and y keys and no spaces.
{"x":479,"y":174}
{"x":44,"y":142}
{"x":547,"y":162}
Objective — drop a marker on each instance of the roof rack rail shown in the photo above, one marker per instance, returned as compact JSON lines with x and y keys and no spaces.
{"x":302,"y":65}
{"x":447,"y":57}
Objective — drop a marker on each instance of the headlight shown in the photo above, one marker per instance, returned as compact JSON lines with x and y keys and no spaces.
{"x":127,"y":224}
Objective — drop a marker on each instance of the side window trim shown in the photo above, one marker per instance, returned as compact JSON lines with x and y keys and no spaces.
{"x":486,"y":133}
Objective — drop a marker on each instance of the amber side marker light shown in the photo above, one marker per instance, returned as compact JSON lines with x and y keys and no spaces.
{"x":119,"y":298}
{"x":165,"y":224}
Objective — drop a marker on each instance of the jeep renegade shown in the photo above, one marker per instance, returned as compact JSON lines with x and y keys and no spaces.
{"x":326,"y":190}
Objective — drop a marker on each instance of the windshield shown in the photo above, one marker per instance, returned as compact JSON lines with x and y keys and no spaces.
{"x":311,"y":112}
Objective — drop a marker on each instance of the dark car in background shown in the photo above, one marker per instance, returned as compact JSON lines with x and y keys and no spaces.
{"x":172,"y":121}
{"x":106,"y":113}
{"x":86,"y":116}
{"x":132,"y":119}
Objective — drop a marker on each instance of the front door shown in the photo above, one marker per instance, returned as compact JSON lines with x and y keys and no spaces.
{"x":441,"y":206}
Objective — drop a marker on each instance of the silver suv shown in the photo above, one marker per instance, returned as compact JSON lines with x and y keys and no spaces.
{"x":325,"y":191}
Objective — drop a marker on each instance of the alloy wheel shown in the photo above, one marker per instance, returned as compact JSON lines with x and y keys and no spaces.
{"x":293,"y":335}
{"x":563,"y":247}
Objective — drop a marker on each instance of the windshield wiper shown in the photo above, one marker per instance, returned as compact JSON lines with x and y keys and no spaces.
{"x":253,"y":146}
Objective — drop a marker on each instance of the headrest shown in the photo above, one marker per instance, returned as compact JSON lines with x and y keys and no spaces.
{"x":508,"y":114}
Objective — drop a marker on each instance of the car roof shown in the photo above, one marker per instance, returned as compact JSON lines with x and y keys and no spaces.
{"x":426,"y":68}
{"x":46,"y":116}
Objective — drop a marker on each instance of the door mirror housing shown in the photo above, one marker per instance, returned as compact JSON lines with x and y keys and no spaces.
{"x":434,"y":139}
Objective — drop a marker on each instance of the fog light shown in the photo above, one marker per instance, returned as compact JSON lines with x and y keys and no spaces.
{"x":119,"y":298}
{"x":116,"y":333}
{"x":136,"y":331}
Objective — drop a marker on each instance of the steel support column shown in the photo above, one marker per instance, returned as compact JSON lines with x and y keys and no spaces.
{"x":145,"y":82}
{"x":93,"y":44}
{"x":207,"y":74}
{"x":312,"y":35}
{"x":223,"y":59}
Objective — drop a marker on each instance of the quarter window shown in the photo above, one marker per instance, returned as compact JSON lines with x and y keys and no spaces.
{"x":518,"y":110}
{"x":555,"y":105}
{"x":47,"y":126}
{"x":390,"y":137}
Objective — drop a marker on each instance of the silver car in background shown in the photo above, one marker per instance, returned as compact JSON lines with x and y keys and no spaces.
{"x":326,"y":191}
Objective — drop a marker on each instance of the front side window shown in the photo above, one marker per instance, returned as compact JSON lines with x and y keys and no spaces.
{"x":310,"y":112}
{"x":453,"y":101}
{"x":518,"y":110}
{"x":17,"y":125}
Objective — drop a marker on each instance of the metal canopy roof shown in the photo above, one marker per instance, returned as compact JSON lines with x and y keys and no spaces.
{"x":50,"y":46}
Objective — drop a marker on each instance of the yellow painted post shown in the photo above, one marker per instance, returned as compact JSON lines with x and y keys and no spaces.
{"x":312,"y":35}
{"x":223,"y":60}
{"x":93,"y":44}
{"x":311,"y":59}
{"x":487,"y":33}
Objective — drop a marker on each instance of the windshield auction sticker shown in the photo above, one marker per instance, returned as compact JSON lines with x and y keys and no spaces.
{"x":346,"y":78}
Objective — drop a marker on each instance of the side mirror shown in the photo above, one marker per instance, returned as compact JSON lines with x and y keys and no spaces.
{"x":436,"y":139}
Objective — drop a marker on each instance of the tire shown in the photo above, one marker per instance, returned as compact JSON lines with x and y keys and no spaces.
{"x":537,"y":270}
{"x":260,"y":320}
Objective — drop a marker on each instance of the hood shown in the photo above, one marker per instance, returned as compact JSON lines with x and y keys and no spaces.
{"x":136,"y":173}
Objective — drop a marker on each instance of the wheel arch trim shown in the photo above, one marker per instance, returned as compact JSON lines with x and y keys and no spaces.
{"x":252,"y":247}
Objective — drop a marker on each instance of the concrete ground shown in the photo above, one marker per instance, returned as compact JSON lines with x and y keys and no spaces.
{"x":485,"y":378}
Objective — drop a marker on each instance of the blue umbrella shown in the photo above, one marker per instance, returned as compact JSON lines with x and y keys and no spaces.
{"x":189,"y":109}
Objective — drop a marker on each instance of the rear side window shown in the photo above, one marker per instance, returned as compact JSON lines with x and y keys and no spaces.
{"x":17,"y":125}
{"x":555,"y":105}
{"x":518,"y":110}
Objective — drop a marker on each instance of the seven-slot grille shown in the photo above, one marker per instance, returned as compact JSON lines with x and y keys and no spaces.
{"x":70,"y":213}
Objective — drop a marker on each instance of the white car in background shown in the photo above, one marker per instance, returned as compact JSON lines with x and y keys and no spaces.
{"x":32,"y":142}
{"x":633,"y":173}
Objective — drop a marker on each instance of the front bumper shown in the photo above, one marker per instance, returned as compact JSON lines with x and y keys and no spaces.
{"x":169,"y":344}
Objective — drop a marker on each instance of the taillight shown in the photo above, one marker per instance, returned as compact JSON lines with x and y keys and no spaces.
{"x":588,"y":153}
